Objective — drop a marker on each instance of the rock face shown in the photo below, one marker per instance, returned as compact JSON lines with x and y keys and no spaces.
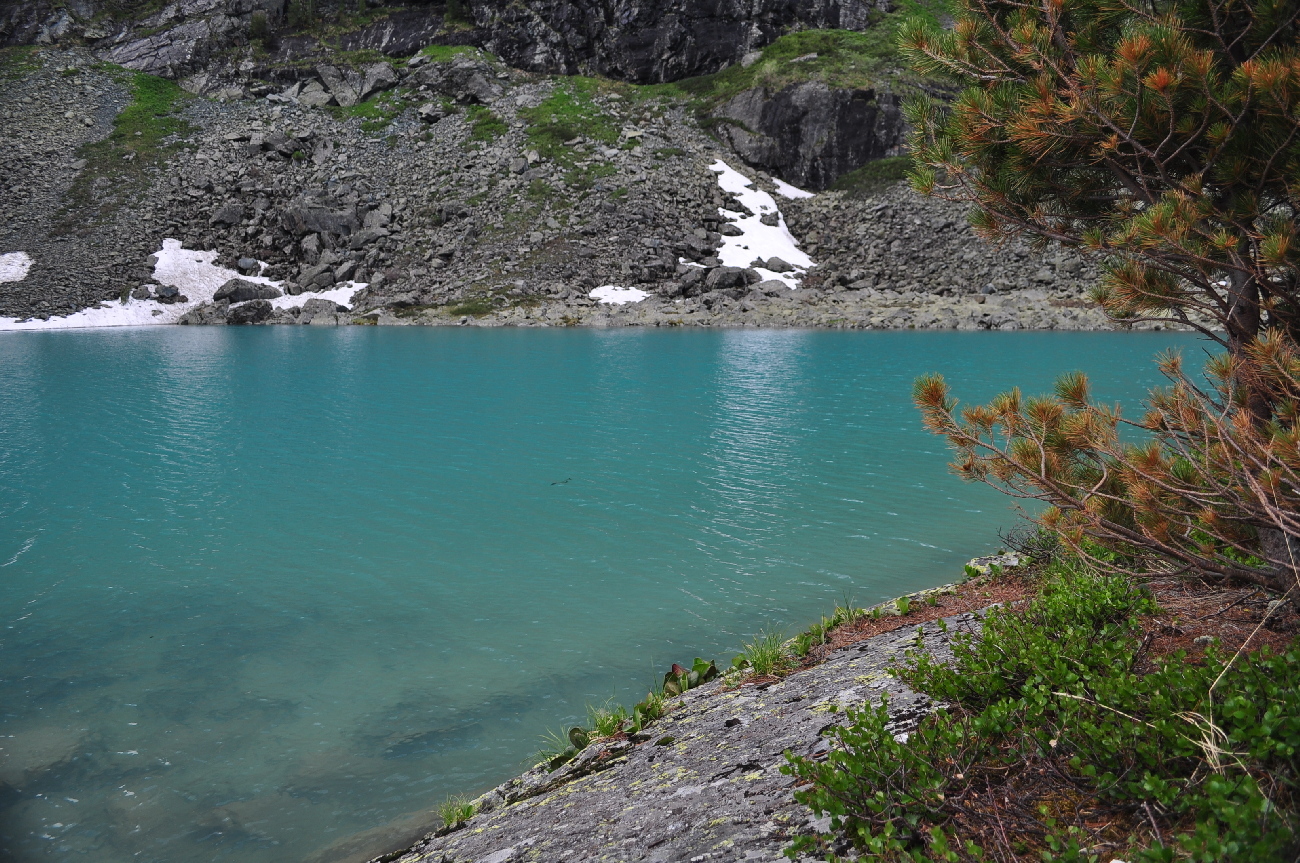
{"x":652,"y":42}
{"x":662,"y":40}
{"x":706,"y":777}
{"x":809,"y":134}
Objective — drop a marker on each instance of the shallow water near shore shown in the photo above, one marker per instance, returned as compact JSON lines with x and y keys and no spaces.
{"x":265,"y":589}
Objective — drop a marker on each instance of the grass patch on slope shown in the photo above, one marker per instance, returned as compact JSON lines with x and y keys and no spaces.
{"x":483,"y":124}
{"x":837,"y":58}
{"x":17,"y":62}
{"x":874,"y":176}
{"x":570,"y":112}
{"x":145,"y":133}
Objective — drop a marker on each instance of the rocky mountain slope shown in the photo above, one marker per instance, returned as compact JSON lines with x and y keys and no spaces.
{"x":451,"y":186}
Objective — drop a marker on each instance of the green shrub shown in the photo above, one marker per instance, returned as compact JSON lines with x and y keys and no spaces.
{"x":606,"y":721}
{"x":259,"y":30}
{"x":301,"y":14}
{"x":1052,"y":689}
{"x":474,"y":306}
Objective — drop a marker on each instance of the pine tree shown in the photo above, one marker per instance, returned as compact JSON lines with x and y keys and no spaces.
{"x":1163,"y":136}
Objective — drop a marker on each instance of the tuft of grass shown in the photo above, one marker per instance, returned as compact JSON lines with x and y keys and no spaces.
{"x":539,"y":190}
{"x":483,"y":124}
{"x":765,"y":654}
{"x":455,"y":810}
{"x":606,"y":721}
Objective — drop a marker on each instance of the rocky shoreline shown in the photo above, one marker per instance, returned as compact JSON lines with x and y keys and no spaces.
{"x":702,"y":783}
{"x":452,"y":215}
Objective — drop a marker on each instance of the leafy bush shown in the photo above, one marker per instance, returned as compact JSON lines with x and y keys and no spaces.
{"x":1048,"y":708}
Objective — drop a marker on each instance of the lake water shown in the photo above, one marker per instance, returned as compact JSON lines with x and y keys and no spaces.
{"x":266,"y":588}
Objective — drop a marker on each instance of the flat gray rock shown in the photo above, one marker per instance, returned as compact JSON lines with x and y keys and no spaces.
{"x":705,"y":784}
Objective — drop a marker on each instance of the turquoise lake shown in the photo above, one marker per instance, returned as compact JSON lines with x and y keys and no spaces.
{"x":265,"y":589}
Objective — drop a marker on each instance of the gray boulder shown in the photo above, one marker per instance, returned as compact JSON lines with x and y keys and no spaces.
{"x":253,"y":312}
{"x":314,"y":95}
{"x":229,"y":214}
{"x":208,"y":314}
{"x":378,"y":77}
{"x":240,"y":291}
{"x":169,"y":294}
{"x":319,"y":214}
{"x":777,"y":265}
{"x":344,"y":85}
{"x":722,"y":278}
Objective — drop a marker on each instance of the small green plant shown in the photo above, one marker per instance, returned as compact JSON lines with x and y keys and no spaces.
{"x":557,"y":749}
{"x":874,"y":176}
{"x":765,"y":654}
{"x":903,"y":605}
{"x":679,"y":679}
{"x":457,"y":13}
{"x":455,"y":811}
{"x":539,"y":190}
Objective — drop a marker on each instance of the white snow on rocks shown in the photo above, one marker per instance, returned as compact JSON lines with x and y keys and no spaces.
{"x":785,"y":190}
{"x":615,"y":295}
{"x":14,"y":266}
{"x":191,"y":272}
{"x":757,"y":241}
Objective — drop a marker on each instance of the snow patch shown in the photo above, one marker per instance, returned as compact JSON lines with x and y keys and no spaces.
{"x":615,"y":295}
{"x":785,"y":190}
{"x":756,"y":239}
{"x":342,"y":296}
{"x":14,"y":266}
{"x":190,"y":271}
